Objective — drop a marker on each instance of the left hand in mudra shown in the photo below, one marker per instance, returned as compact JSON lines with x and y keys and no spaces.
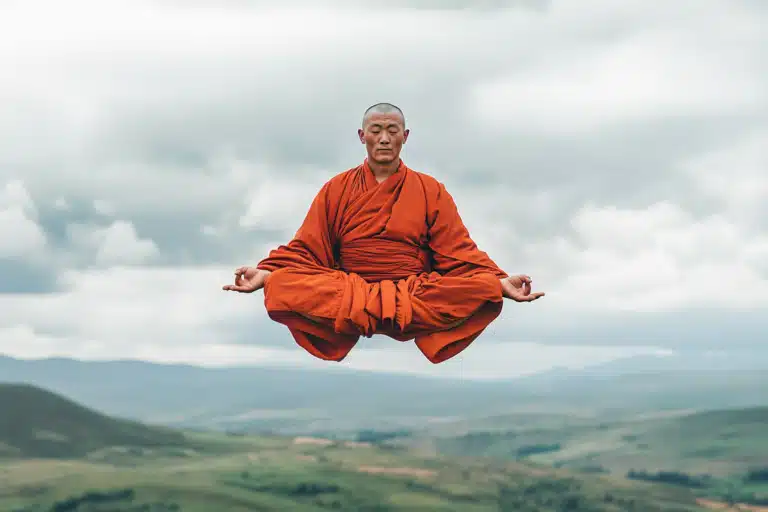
{"x":518,"y":288}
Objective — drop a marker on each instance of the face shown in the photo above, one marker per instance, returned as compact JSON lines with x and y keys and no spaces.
{"x":383,"y":136}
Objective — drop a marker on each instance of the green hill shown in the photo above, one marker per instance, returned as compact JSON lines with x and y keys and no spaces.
{"x":37,"y":423}
{"x":214,"y":471}
{"x":718,"y":454}
{"x":263,"y":473}
{"x":721,"y":442}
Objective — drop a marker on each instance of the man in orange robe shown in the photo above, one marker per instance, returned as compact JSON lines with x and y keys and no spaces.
{"x":382,"y":250}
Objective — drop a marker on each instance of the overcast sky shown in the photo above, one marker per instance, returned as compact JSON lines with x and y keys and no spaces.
{"x":615,"y":152}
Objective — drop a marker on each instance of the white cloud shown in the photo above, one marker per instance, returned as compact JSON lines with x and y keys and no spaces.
{"x":736,"y":176}
{"x":20,"y":234}
{"x":211,"y":231}
{"x":15,"y":195}
{"x":659,"y":75}
{"x":61,"y":204}
{"x":280,"y":204}
{"x":122,"y":306}
{"x":661,"y":258}
{"x":24,"y":342}
{"x":103,"y":207}
{"x":116,"y":244}
{"x":21,"y":340}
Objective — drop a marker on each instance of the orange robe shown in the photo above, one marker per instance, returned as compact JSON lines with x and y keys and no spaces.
{"x":390,"y":258}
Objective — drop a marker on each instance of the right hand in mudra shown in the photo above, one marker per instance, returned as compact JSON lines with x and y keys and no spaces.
{"x":248,"y":280}
{"x":518,"y":288}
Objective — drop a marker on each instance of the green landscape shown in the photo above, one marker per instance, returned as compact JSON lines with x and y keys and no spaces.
{"x":720,"y":454}
{"x":58,"y":456}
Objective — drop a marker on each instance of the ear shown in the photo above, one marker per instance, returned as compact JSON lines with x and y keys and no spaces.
{"x":405,"y":135}
{"x":361,"y":134}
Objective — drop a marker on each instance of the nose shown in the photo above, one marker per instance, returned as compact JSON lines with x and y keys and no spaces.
{"x":384,"y":139}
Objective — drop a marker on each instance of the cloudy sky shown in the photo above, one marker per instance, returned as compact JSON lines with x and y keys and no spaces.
{"x":615,"y":152}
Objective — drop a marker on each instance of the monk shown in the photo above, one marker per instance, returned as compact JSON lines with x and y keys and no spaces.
{"x":382,"y":250}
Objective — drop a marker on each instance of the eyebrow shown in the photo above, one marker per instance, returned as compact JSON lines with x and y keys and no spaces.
{"x":390,"y":125}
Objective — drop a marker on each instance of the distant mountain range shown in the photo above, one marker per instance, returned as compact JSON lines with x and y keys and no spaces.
{"x":277,"y":398}
{"x":681,"y":361}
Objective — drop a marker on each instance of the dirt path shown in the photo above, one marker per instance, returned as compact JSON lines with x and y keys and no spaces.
{"x":379,"y":470}
{"x":317,"y":441}
{"x":357,"y":444}
{"x":740,"y":507}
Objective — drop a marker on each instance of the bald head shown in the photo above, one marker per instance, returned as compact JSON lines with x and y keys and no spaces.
{"x":383,"y":133}
{"x":382,"y":108}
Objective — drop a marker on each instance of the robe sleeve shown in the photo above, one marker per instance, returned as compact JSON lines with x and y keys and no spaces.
{"x":454,"y":253}
{"x":312,"y":246}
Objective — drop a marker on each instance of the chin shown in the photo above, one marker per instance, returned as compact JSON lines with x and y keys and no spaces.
{"x":385,"y":158}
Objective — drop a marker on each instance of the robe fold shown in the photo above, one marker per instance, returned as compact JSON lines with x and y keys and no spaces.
{"x":391,"y":258}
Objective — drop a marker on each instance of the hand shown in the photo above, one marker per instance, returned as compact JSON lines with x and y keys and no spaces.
{"x":248,"y":280}
{"x":518,"y":288}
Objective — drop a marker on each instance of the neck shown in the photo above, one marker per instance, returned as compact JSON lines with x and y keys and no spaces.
{"x":382,"y":171}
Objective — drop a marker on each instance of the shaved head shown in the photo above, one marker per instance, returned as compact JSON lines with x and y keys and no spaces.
{"x":383,"y":133}
{"x":383,"y":108}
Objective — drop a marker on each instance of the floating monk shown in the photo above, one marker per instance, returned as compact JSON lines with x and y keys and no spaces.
{"x":382,"y":250}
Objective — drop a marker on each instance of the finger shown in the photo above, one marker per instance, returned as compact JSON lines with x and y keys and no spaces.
{"x":235,"y":288}
{"x":524,"y":278}
{"x":527,"y":288}
{"x":519,"y":297}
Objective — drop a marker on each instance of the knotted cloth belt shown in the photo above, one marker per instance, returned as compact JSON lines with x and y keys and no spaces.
{"x":378,"y":259}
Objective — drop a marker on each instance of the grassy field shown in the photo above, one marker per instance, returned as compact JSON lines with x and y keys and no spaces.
{"x":263,"y":473}
{"x":57,"y":456}
{"x":710,"y":452}
{"x":720,"y":443}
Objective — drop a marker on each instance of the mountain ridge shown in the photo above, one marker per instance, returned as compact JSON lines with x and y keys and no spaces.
{"x":192,"y":396}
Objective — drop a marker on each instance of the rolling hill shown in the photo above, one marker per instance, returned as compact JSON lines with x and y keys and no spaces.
{"x":37,"y":423}
{"x":718,"y":442}
{"x":719,"y":453}
{"x":239,"y":473}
